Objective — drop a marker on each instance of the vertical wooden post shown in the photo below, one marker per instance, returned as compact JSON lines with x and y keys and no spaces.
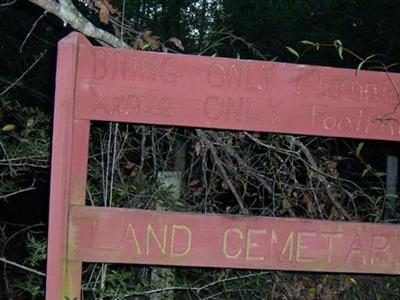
{"x":68,"y":173}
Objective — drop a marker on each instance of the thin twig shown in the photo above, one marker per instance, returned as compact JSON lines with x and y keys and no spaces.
{"x":23,"y":74}
{"x":142,"y":151}
{"x":10,"y":166}
{"x":30,"y":31}
{"x":220,"y":166}
{"x":195,"y":289}
{"x":18,"y":192}
{"x":114,"y":160}
{"x":123,"y":20}
{"x":8,"y":3}
{"x":325,"y":182}
{"x":12,"y":263}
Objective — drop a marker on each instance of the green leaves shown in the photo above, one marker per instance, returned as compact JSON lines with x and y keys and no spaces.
{"x":359,"y":148}
{"x":366,"y":170}
{"x":294,"y":52}
{"x":8,"y":127}
{"x":313,"y":44}
{"x":336,"y":43}
{"x":306,"y":42}
{"x":339,"y":46}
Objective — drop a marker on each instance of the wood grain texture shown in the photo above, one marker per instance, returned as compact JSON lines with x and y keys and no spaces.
{"x":60,"y":167}
{"x":187,"y":90}
{"x":68,"y":173}
{"x":181,"y":239}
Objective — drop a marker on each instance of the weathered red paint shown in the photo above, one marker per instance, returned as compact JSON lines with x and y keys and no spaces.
{"x":68,"y":173}
{"x":205,"y":240}
{"x":155,"y":88}
{"x":187,"y":90}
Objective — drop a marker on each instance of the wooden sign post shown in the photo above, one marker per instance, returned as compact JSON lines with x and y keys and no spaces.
{"x":95,"y":83}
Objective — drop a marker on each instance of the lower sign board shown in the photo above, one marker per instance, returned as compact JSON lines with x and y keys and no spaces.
{"x":183,"y":239}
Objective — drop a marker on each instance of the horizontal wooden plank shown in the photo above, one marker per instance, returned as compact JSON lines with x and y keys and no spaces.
{"x":187,"y":90}
{"x":182,"y":239}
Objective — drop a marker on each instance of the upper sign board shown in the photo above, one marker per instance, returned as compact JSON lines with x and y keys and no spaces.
{"x":186,"y":90}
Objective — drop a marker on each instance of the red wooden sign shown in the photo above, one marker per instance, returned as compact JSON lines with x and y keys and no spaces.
{"x":187,"y":90}
{"x":96,"y":83}
{"x":167,"y":238}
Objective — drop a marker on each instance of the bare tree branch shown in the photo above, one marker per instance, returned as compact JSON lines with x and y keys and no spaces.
{"x":22,"y":267}
{"x":328,"y":186}
{"x":30,"y":31}
{"x":23,"y":74}
{"x":69,"y":14}
{"x":8,"y":3}
{"x":194,"y":289}
{"x":220,"y":166}
{"x":30,"y":188}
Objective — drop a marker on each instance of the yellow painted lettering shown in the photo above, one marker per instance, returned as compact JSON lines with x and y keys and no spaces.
{"x":188,"y":232}
{"x":330,"y":236}
{"x":301,"y":245}
{"x":378,"y":248}
{"x":162,"y":245}
{"x":356,"y":248}
{"x":225,"y":242}
{"x":252,"y":244}
{"x":288,"y":247}
{"x":130,"y":236}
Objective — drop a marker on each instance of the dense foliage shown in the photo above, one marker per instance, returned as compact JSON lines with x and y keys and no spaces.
{"x":271,"y":175}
